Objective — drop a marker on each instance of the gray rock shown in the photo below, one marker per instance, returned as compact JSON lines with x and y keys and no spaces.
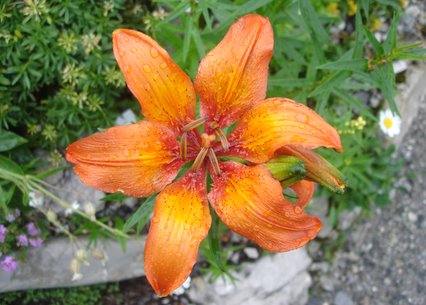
{"x":410,"y":99}
{"x":327,"y":282}
{"x":126,"y":118}
{"x":342,"y":298}
{"x":48,"y":266}
{"x":278,"y":279}
{"x":68,"y":187}
{"x":346,"y":218}
{"x":251,"y":252}
{"x":319,"y":208}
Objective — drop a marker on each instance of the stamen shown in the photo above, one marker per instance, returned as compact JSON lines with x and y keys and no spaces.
{"x":221,"y":135}
{"x":194,"y":124}
{"x":199,"y":159}
{"x":214,"y":162}
{"x":183,"y":146}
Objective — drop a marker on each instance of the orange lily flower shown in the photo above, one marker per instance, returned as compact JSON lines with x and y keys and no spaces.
{"x":144,"y":158}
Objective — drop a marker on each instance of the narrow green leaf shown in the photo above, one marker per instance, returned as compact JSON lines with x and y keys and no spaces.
{"x":365,"y":4}
{"x":4,"y":81}
{"x":346,"y":65}
{"x":10,"y":140}
{"x":187,"y":38}
{"x":206,"y":14}
{"x":142,"y":214}
{"x":390,"y":42}
{"x":177,"y":11}
{"x":331,"y":82}
{"x":312,"y":20}
{"x":199,"y":44}
{"x":50,"y":172}
{"x":385,"y":79}
{"x":393,"y":3}
{"x":246,"y":8}
{"x":288,"y":83}
{"x":374,"y":42}
{"x":10,"y":166}
{"x":354,"y":102}
{"x":359,"y":35}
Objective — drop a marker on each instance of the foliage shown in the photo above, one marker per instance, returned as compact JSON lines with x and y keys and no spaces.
{"x":87,"y":295}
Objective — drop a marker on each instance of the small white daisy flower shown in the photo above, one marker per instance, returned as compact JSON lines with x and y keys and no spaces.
{"x":389,"y":123}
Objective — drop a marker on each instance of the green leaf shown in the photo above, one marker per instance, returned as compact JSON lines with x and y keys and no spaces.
{"x":187,"y":38}
{"x":4,"y":81}
{"x":354,"y":102}
{"x":346,"y":65}
{"x":142,"y":214}
{"x":385,"y":80}
{"x":374,"y":42}
{"x":246,"y":8}
{"x":331,"y":82}
{"x":359,"y":35}
{"x":10,"y":140}
{"x":365,"y":4}
{"x":214,"y":241}
{"x":10,"y":166}
{"x":390,"y":42}
{"x":394,"y":3}
{"x":50,"y":172}
{"x":288,"y":83}
{"x":313,"y":22}
{"x":199,"y":44}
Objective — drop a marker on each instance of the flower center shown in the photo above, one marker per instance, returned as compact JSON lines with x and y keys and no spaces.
{"x":388,"y":123}
{"x":205,"y":148}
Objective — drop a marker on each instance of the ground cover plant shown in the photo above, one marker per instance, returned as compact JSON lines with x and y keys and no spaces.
{"x":59,"y":82}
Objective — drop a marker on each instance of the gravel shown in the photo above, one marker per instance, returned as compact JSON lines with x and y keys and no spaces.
{"x":383,"y":260}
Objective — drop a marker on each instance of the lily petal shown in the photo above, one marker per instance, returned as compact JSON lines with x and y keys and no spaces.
{"x":317,"y":168}
{"x":233,"y":76}
{"x":250,"y":202}
{"x":137,"y":160}
{"x":181,"y":221}
{"x":165,"y":92}
{"x":277,"y":122}
{"x":304,"y":190}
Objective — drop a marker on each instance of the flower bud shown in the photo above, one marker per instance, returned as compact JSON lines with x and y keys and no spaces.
{"x":51,"y":216}
{"x":81,"y":255}
{"x":75,"y":269}
{"x":90,"y":210}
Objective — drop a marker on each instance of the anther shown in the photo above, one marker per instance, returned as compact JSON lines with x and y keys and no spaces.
{"x":183,"y":146}
{"x":194,"y":124}
{"x":214,"y":162}
{"x":199,"y":159}
{"x":221,"y":135}
{"x":205,"y":147}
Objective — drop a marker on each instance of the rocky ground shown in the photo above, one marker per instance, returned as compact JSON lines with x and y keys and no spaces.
{"x":384,"y":260}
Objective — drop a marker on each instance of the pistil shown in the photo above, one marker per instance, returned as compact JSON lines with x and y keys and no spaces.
{"x":205,"y":148}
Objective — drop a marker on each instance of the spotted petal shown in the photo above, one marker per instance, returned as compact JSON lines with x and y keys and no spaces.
{"x":164,"y":91}
{"x":138,"y":159}
{"x":233,"y":76}
{"x":250,"y":202}
{"x":181,"y":221}
{"x":277,"y":122}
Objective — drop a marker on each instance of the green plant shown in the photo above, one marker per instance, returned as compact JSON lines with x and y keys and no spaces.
{"x":87,"y":295}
